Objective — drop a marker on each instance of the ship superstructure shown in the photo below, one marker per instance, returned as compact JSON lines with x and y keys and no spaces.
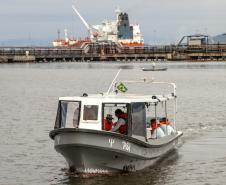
{"x":118,"y":31}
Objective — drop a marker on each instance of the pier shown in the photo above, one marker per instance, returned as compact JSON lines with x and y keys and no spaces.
{"x":113,"y":52}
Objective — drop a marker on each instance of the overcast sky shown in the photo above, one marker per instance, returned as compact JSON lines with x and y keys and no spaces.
{"x":161,"y":21}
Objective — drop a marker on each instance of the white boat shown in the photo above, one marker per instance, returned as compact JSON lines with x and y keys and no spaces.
{"x":155,"y":69}
{"x":80,"y":133}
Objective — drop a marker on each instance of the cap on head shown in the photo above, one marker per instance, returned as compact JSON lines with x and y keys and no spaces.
{"x":109,"y":116}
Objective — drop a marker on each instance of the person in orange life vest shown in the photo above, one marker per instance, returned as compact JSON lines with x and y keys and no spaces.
{"x":154,"y":125}
{"x":166,"y":127}
{"x":120,"y":125}
{"x":156,"y":131}
{"x":164,"y":121}
{"x":163,"y":124}
{"x":108,"y":122}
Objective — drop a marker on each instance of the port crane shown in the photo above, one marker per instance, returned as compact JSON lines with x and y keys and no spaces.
{"x":93,"y":35}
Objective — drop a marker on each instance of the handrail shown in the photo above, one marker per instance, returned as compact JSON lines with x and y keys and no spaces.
{"x":144,"y":80}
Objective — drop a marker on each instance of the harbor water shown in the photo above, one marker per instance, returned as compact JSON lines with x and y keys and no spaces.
{"x":29,"y":97}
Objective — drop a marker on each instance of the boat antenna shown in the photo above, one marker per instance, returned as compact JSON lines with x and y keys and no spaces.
{"x":113,"y":81}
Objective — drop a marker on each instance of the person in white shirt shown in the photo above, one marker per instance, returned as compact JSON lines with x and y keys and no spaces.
{"x":156,"y":131}
{"x":120,"y":125}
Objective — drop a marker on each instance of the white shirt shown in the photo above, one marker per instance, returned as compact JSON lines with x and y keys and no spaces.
{"x":170,"y":130}
{"x":158,"y":133}
{"x":119,"y":123}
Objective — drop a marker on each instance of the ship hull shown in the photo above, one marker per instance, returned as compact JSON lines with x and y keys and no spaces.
{"x":90,"y":153}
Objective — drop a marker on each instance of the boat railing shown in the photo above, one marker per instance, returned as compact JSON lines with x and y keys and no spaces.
{"x":151,"y":81}
{"x":114,"y":83}
{"x":145,"y":80}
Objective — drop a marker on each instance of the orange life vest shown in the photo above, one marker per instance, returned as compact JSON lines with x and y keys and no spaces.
{"x":165,"y":122}
{"x":157,"y":125}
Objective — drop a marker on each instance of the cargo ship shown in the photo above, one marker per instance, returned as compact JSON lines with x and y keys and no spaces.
{"x":118,"y":31}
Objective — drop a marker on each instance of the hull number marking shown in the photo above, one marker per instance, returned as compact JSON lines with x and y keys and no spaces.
{"x":125,"y":146}
{"x":111,"y":142}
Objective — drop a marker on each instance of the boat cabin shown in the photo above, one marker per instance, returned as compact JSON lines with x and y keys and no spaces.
{"x":91,"y":112}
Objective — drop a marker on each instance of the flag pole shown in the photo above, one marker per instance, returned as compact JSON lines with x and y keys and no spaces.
{"x":112,"y":83}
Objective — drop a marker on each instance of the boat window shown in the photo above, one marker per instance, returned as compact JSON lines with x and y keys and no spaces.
{"x":138,"y":119}
{"x":150,"y":114}
{"x":110,"y":119}
{"x":162,"y":110}
{"x":57,"y":122}
{"x":158,"y":120}
{"x":90,"y":112}
{"x":68,"y":115}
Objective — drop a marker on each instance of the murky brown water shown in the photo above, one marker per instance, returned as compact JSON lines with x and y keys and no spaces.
{"x":28,"y":96}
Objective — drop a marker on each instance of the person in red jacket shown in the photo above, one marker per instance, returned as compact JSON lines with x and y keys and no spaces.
{"x":120,"y":126}
{"x":108,"y":122}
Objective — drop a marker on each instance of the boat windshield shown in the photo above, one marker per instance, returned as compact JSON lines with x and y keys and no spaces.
{"x":68,"y":115}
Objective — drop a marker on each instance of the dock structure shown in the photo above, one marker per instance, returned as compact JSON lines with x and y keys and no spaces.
{"x":114,"y":52}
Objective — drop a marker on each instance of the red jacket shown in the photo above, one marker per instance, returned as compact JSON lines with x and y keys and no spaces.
{"x":123,"y":128}
{"x":108,"y":125}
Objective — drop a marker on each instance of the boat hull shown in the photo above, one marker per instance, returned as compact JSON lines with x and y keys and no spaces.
{"x":97,"y":152}
{"x":154,"y":69}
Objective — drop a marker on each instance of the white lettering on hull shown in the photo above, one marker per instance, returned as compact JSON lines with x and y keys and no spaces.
{"x":111,"y":142}
{"x":126,"y":146}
